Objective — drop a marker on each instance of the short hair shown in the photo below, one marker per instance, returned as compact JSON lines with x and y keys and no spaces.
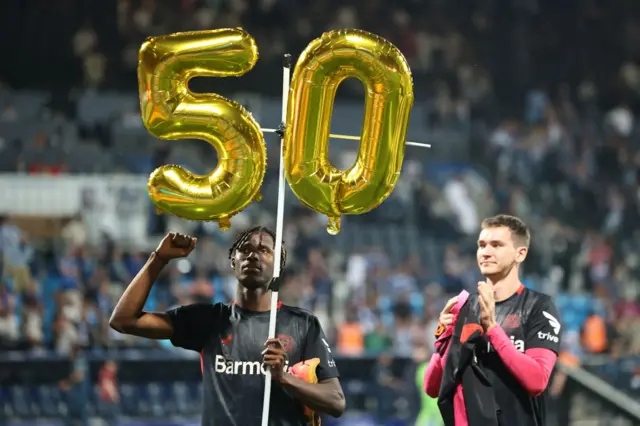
{"x":246,"y":234}
{"x":518,"y":228}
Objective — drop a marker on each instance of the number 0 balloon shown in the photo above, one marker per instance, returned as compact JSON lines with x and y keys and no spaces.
{"x":171,"y":111}
{"x":324,"y":64}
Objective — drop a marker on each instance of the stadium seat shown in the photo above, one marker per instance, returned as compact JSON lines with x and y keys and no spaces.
{"x":20,"y":401}
{"x":6,"y":407}
{"x":49,"y":397}
{"x":128,"y":399}
{"x":178,"y":393}
{"x":154,"y":395}
{"x":195,"y":392}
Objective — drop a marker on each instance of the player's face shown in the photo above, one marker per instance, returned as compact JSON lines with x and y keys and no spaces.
{"x":498,"y":252}
{"x":253,"y":261}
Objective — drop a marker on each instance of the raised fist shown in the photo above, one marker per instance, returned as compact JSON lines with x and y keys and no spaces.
{"x":175,"y":246}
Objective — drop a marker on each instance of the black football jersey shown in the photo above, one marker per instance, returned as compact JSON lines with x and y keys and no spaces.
{"x":531,"y":320}
{"x":230,"y":341}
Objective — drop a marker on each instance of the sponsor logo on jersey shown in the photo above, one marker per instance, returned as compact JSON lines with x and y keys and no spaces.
{"x":519,"y":344}
{"x":244,"y":368}
{"x":330,"y":360}
{"x":548,"y":336}
{"x":553,"y":322}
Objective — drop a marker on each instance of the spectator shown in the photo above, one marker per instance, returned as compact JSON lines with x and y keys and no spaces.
{"x":109,"y":395}
{"x":350,"y":336}
{"x":16,"y":255}
{"x":33,"y":322}
{"x":76,"y":389}
{"x":387,"y":385}
{"x":9,"y":328}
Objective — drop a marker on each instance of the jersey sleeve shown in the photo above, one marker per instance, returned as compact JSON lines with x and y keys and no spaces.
{"x":544,"y":327}
{"x":192,"y":325}
{"x":316,"y":346}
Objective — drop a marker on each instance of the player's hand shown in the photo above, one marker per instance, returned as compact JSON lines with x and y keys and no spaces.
{"x":175,"y":246}
{"x":446,"y":317}
{"x":487,"y":305}
{"x":275,"y":357}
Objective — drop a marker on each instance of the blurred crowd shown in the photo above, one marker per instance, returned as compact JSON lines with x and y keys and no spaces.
{"x":549,"y":91}
{"x":458,"y":50}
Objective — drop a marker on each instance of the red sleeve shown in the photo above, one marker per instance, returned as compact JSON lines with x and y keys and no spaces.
{"x":531,"y":368}
{"x":433,"y":376}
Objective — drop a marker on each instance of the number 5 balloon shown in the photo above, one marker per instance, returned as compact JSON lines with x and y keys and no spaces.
{"x":171,"y":111}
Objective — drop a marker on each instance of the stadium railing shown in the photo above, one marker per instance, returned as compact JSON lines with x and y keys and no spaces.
{"x":157,"y":383}
{"x":590,"y":401}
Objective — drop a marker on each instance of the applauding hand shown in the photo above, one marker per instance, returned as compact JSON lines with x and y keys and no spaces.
{"x":487,"y":305}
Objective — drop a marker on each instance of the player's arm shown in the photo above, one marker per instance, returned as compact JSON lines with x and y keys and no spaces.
{"x":433,"y":372}
{"x":128,"y":316}
{"x":532,"y":368}
{"x":446,"y":322}
{"x":433,"y":376}
{"x":326,"y":396}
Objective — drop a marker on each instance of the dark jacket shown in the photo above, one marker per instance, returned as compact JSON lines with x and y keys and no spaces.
{"x":462,"y":366}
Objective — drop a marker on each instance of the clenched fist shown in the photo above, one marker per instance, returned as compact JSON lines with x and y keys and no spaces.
{"x":175,"y":246}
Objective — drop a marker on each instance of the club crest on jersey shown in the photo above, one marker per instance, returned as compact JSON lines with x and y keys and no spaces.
{"x":287,"y":342}
{"x":511,"y":321}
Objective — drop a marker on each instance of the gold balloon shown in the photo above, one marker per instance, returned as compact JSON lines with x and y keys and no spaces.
{"x":323,"y":65}
{"x":171,"y":111}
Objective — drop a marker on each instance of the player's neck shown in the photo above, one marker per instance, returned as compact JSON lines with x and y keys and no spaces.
{"x":505,"y":287}
{"x":258,"y":299}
